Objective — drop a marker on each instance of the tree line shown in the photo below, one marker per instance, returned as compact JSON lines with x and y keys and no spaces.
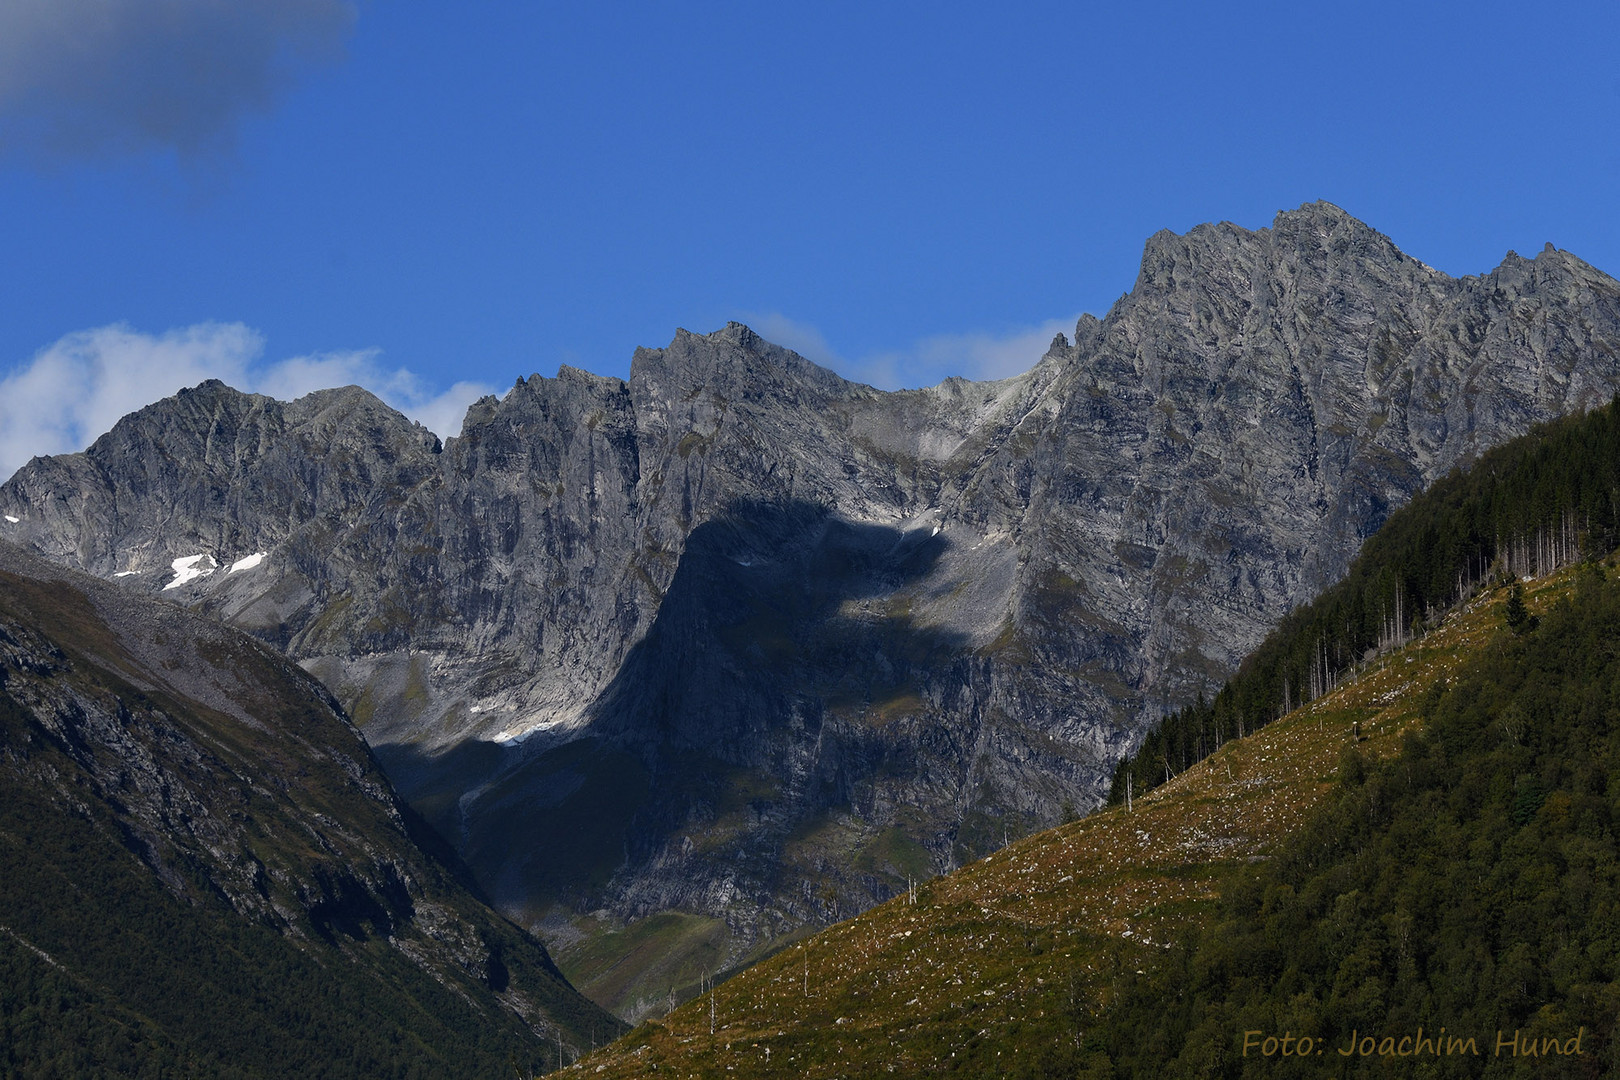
{"x":1522,"y":509}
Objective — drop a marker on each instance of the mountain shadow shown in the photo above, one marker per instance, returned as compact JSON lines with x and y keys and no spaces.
{"x":712,"y":744}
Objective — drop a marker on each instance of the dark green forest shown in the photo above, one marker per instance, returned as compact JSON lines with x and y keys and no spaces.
{"x":1523,"y":508}
{"x":1471,"y":883}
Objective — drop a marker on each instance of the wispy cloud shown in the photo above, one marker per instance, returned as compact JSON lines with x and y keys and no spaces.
{"x":439,"y":412}
{"x":802,"y":338}
{"x":68,"y":394}
{"x":94,"y":76}
{"x":979,"y":355}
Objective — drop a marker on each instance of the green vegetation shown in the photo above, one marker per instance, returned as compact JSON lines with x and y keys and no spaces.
{"x":896,"y":855}
{"x":1524,"y":508}
{"x":673,"y":950}
{"x":1471,"y":882}
{"x":895,"y":705}
{"x":1518,"y":617}
{"x":105,"y":972}
{"x":693,"y":441}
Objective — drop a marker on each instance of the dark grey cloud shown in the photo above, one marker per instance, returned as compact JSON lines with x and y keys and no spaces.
{"x":92,"y":76}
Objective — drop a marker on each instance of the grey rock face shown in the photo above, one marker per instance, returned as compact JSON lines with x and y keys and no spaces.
{"x":741,"y":638}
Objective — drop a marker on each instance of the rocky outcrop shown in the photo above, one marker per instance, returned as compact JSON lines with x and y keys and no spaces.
{"x":741,"y":638}
{"x":135,"y":734}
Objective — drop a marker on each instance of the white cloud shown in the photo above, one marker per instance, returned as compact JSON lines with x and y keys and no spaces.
{"x":989,"y":356}
{"x":70,"y":393}
{"x":443,"y":414}
{"x":77,"y":388}
{"x":87,"y":76}
{"x":802,"y":338}
{"x":976,"y":355}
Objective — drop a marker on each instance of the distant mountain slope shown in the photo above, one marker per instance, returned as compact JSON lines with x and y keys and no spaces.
{"x":203,"y":872}
{"x":740,"y":640}
{"x":1294,"y":859}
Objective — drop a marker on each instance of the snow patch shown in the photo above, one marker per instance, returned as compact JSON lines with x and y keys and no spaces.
{"x":126,"y":573}
{"x":191,"y":568}
{"x":525,"y":727}
{"x":248,"y":562}
{"x":13,"y":520}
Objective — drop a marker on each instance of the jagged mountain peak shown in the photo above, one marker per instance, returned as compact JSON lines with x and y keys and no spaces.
{"x":733,"y":358}
{"x":1550,"y":269}
{"x":1325,"y":219}
{"x":1002,"y":583}
{"x":1223,"y":257}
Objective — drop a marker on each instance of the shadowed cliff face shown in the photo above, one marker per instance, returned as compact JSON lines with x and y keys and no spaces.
{"x":773,"y":603}
{"x":775,"y":686}
{"x":899,"y":626}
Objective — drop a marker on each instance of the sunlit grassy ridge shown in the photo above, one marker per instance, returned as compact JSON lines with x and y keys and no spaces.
{"x":998,"y":968}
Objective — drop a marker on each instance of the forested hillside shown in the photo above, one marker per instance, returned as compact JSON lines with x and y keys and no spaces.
{"x":1471,"y":883}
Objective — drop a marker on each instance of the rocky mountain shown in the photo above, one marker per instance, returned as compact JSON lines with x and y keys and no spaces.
{"x":204,"y":873}
{"x":1252,"y":891}
{"x":742,"y":646}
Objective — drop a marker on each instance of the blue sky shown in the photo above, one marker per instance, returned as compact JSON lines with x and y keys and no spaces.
{"x":421,"y":195}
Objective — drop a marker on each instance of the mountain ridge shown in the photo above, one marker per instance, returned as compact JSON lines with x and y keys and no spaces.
{"x":934,"y":617}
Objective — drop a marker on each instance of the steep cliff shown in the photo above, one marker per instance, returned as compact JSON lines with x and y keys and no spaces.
{"x":744,"y":640}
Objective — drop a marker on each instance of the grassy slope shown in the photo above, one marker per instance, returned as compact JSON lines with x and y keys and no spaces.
{"x":615,"y":965}
{"x":996,"y":964}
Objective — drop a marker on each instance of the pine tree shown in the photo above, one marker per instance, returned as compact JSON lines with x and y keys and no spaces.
{"x":1519,"y":619}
